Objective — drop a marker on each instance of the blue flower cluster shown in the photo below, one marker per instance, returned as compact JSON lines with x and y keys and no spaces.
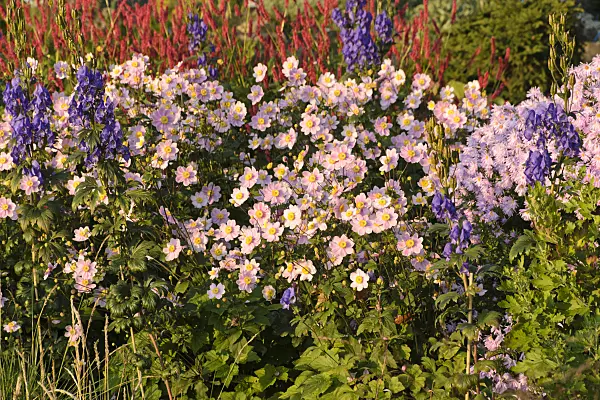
{"x":443,"y":207}
{"x":359,"y":48}
{"x":384,"y":28}
{"x":89,"y":93}
{"x":460,"y":228}
{"x":88,"y":108}
{"x":29,"y":118}
{"x":197,"y":29}
{"x":550,"y":123}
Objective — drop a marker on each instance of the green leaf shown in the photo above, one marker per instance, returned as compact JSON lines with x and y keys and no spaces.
{"x":369,"y":324}
{"x":489,"y":318}
{"x":316,"y":384}
{"x":543,"y":282}
{"x":266,"y":376}
{"x":523,"y":244}
{"x":181,"y":287}
{"x":84,"y":192}
{"x":445,"y":298}
{"x":395,"y":385}
{"x":459,"y":88}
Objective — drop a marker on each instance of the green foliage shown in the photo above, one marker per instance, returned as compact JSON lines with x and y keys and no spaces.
{"x":553,"y":293}
{"x":519,"y":25}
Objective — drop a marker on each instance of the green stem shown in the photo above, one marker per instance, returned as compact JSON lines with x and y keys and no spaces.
{"x":470,"y":320}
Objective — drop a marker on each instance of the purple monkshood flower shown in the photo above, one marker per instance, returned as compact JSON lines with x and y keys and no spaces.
{"x":359,"y":48}
{"x":384,"y":28}
{"x":460,"y":232}
{"x":288,"y":297}
{"x":88,"y":106}
{"x":30,"y":121}
{"x":465,"y":232}
{"x":443,"y":207}
{"x":550,"y":122}
{"x":454,"y":233}
{"x":197,"y":30}
{"x":447,"y":252}
{"x":86,"y":97}
{"x":537,"y":166}
{"x":15,"y":100}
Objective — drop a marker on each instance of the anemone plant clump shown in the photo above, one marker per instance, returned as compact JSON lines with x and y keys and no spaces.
{"x":295,"y":233}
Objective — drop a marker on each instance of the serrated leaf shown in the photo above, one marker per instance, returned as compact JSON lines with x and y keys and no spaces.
{"x":523,"y":244}
{"x":395,"y":385}
{"x":543,"y":282}
{"x":489,"y":318}
{"x":316,"y":384}
{"x":445,"y":298}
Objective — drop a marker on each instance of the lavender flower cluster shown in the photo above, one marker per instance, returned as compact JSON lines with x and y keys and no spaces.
{"x":521,"y":143}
